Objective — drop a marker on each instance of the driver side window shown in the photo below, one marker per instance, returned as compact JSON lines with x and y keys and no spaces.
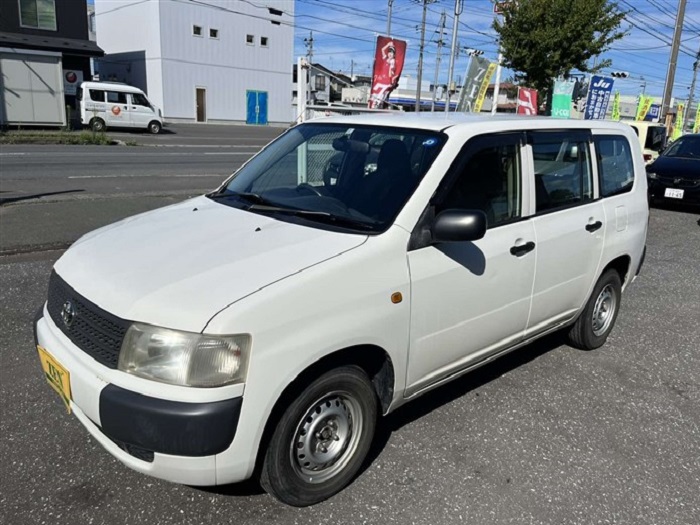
{"x":489,"y":178}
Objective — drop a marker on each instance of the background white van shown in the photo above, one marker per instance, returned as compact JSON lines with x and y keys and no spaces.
{"x":652,"y":137}
{"x":112,"y":104}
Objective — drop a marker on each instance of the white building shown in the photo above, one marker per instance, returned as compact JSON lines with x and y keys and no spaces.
{"x":204,"y":61}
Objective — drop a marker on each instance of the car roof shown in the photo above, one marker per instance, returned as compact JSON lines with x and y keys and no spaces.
{"x":440,"y":121}
{"x":114,"y":86}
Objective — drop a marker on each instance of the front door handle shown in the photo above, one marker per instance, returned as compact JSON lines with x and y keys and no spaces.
{"x":521,"y":249}
{"x":594,"y":226}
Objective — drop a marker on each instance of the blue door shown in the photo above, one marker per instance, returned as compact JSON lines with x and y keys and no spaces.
{"x":256,"y":107}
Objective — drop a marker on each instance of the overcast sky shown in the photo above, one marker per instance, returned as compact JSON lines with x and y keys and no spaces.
{"x":345,"y":31}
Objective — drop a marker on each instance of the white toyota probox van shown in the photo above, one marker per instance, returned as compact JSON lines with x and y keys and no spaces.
{"x":352,"y":265}
{"x":111,"y":104}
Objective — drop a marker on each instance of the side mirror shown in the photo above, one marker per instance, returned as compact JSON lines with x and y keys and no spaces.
{"x":459,"y":225}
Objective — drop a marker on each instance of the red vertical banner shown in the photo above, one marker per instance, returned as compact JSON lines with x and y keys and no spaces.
{"x":388,"y":64}
{"x":527,"y":101}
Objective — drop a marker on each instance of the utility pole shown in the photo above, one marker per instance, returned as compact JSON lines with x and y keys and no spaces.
{"x":692,"y":84}
{"x":420,"y":54}
{"x":671,"y":73}
{"x":453,"y":52}
{"x":437,"y":60}
{"x":309,"y":43}
{"x":388,"y":19}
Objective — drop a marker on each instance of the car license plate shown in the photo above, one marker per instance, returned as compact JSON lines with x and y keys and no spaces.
{"x":673,"y":193}
{"x":56,"y":375}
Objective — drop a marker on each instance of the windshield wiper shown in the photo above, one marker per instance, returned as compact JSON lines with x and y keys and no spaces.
{"x":259,"y":203}
{"x":247,"y":196}
{"x":321,"y":216}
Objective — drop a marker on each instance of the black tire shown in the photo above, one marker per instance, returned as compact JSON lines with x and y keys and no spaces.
{"x":97,"y":125}
{"x":598,"y":318}
{"x":321,"y":424}
{"x":154,"y":127}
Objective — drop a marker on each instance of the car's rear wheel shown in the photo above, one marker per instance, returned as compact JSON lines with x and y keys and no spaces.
{"x":97,"y":125}
{"x":595,"y":323}
{"x":322,"y":438}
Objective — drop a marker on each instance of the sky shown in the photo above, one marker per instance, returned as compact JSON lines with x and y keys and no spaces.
{"x":345,"y":31}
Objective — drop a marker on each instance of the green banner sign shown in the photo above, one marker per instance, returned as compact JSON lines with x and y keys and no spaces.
{"x":561,"y":99}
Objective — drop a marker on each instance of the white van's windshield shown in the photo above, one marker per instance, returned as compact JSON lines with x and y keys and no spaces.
{"x":342,"y":176}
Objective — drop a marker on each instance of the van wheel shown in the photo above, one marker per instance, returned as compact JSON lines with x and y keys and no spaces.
{"x":97,"y":125}
{"x":154,"y":127}
{"x":592,"y":328}
{"x":322,"y":439}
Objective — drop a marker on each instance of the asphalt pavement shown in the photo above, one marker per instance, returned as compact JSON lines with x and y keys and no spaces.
{"x":546,"y":435}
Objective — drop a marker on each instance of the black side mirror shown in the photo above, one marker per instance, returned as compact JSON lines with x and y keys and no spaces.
{"x":459,"y":225}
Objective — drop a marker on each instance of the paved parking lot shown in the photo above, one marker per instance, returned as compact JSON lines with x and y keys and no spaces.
{"x":547,"y":435}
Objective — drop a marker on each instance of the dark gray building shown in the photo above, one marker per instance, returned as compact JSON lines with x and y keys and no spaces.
{"x":44,"y":56}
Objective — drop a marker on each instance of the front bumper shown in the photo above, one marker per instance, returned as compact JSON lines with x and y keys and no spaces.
{"x":173,"y":439}
{"x":658,"y":187}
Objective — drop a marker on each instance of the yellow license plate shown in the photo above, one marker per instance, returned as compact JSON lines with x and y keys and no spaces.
{"x":56,"y":375}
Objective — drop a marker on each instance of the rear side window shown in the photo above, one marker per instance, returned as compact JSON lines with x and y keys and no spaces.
{"x":116,"y":97}
{"x":615,"y":165}
{"x":97,"y":95}
{"x":563,"y":175}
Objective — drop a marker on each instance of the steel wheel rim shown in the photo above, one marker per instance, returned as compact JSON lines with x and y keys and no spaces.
{"x":327,"y":437}
{"x":604,"y":310}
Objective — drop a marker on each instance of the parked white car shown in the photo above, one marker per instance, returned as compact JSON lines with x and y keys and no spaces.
{"x":354,"y":264}
{"x":116,"y":105}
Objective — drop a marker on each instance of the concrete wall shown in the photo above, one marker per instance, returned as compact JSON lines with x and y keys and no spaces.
{"x":129,"y":32}
{"x":178,"y":61}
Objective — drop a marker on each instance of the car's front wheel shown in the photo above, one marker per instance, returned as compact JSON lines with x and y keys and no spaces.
{"x":592,"y":328}
{"x":322,"y":438}
{"x":154,"y":127}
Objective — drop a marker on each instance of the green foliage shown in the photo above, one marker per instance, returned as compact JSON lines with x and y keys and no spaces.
{"x":543,"y":39}
{"x":55,"y":137}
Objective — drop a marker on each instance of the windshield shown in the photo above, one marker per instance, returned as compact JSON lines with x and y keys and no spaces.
{"x":688,"y":147}
{"x":335,"y":175}
{"x":656,"y":138}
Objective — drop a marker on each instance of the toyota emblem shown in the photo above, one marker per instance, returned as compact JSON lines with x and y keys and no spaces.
{"x":68,"y":313}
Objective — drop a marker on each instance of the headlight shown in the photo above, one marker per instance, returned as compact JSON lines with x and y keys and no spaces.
{"x":184,"y":358}
{"x":651,"y":175}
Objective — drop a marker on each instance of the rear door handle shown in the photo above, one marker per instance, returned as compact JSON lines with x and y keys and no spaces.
{"x":594,"y":226}
{"x":521,"y":249}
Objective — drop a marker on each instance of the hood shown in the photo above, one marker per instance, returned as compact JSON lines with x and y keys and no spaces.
{"x":180,"y":265}
{"x":684,"y":167}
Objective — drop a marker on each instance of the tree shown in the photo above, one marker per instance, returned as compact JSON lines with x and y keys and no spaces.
{"x":543,"y":39}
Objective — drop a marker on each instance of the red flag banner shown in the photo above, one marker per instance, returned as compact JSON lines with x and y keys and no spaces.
{"x":527,"y":101}
{"x":388,"y":64}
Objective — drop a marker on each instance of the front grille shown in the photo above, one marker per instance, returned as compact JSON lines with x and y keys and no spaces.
{"x":679,"y":182}
{"x":95,"y":331}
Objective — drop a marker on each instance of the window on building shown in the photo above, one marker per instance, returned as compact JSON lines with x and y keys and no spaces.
{"x":213,"y":33}
{"x":250,"y":40}
{"x":263,"y":41}
{"x":116,"y":97}
{"x":197,"y":30}
{"x":320,"y":82}
{"x":38,"y":14}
